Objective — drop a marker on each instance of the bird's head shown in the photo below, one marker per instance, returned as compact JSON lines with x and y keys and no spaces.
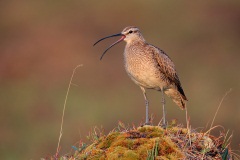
{"x":129,"y":34}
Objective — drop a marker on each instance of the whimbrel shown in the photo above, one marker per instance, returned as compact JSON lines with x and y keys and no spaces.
{"x":150,"y":68}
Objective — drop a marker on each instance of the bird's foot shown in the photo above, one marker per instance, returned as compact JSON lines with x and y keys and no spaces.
{"x":163,"y":125}
{"x":147,"y":124}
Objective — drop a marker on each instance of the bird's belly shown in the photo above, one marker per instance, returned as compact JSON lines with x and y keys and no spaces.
{"x":145,"y":76}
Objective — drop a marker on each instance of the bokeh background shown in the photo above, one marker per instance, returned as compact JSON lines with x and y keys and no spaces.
{"x":41,"y":42}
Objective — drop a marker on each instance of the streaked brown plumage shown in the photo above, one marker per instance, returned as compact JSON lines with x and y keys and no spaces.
{"x":150,"y":68}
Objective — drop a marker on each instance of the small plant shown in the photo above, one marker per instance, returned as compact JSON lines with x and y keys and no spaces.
{"x":94,"y":135}
{"x":154,"y":151}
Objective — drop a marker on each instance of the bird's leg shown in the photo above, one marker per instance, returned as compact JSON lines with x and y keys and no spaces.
{"x":164,"y":113}
{"x":146,"y":103}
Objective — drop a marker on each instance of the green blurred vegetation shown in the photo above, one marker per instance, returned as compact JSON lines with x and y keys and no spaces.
{"x":41,"y":43}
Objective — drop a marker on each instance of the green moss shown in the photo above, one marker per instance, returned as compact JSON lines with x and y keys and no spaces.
{"x":147,"y":142}
{"x":116,"y":153}
{"x":154,"y":134}
{"x":148,"y":129}
{"x":134,"y":144}
{"x":107,"y":141}
{"x":131,"y":155}
{"x":121,"y":153}
{"x":93,"y":154}
{"x":174,"y":130}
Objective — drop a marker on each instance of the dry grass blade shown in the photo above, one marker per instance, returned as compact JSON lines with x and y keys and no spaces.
{"x":64,"y":107}
{"x":237,"y":156}
{"x":188,"y":126}
{"x":219,"y":107}
{"x":212,"y":128}
{"x":227,"y":139}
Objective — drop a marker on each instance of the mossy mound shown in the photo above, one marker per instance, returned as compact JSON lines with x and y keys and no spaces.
{"x":153,"y":142}
{"x":133,"y":144}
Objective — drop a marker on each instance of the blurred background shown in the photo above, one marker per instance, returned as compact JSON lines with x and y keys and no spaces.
{"x":41,"y":42}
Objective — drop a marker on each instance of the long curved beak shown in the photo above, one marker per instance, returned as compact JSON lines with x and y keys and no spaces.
{"x":121,"y":39}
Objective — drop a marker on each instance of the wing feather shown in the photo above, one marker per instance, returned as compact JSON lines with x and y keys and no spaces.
{"x":167,"y":67}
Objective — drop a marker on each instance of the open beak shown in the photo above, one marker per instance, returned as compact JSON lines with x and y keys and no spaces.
{"x":121,"y":39}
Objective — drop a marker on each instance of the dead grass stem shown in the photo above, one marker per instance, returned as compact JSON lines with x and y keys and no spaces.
{"x":215,"y":115}
{"x":64,"y":108}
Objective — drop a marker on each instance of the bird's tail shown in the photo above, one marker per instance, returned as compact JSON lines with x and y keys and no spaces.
{"x":177,"y":97}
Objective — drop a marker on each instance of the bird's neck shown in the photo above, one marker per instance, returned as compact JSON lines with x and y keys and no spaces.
{"x":136,"y":42}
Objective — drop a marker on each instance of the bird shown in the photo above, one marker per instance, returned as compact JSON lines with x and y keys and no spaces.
{"x":150,"y":68}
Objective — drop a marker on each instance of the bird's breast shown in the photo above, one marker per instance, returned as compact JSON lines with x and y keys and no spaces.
{"x":142,"y":68}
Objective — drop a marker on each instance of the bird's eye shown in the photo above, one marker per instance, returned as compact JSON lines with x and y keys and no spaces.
{"x":130,"y":31}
